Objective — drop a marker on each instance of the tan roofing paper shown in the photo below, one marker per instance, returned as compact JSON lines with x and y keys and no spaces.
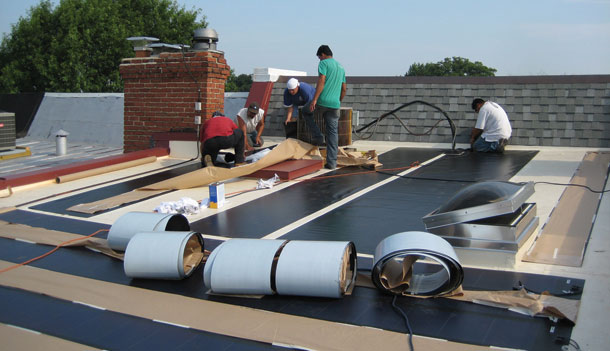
{"x":564,"y":237}
{"x":21,"y":339}
{"x":520,"y":301}
{"x":237,"y":321}
{"x":106,"y":169}
{"x":54,"y":238}
{"x":288,"y":149}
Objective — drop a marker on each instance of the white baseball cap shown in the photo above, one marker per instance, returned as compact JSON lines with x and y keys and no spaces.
{"x":292,"y":83}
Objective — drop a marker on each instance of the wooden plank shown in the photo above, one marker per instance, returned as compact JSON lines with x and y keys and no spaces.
{"x":563,"y":239}
{"x":290,"y":169}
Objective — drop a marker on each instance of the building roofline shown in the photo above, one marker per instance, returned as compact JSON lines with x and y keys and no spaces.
{"x":562,"y":79}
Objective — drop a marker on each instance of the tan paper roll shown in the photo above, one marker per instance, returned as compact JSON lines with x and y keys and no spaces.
{"x":106,"y":169}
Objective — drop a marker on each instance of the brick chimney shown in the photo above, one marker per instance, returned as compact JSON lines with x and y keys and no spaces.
{"x":161,"y":92}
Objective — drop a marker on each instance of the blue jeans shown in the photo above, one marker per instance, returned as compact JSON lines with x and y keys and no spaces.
{"x":331,"y":121}
{"x":482,"y":145}
{"x":311,"y":124}
{"x":252,"y":139}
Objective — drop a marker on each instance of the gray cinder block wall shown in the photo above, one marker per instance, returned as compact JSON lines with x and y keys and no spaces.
{"x":544,"y":110}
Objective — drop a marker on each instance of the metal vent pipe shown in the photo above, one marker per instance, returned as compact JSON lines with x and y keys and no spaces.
{"x":204,"y":39}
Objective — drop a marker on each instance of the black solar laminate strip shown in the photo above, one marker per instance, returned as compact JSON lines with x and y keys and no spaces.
{"x":265,"y":215}
{"x":108,"y":330}
{"x":437,"y":318}
{"x":399,"y":206}
{"x":65,"y":224}
{"x":60,"y":206}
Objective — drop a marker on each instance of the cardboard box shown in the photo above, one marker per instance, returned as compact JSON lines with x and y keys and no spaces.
{"x":217,"y":194}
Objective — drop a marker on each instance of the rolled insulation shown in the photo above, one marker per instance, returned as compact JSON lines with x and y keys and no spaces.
{"x":316,"y":268}
{"x":241,"y":266}
{"x":163,"y":255}
{"x":132,"y":223}
{"x":394,"y":270}
{"x":259,"y":266}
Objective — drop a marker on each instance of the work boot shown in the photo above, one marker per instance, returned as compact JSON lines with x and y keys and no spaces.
{"x":207,"y":160}
{"x":501,"y":144}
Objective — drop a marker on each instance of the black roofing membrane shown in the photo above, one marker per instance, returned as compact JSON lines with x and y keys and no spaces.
{"x":300,"y":200}
{"x":60,"y":206}
{"x":438,"y":318}
{"x":399,"y":206}
{"x":108,"y":330}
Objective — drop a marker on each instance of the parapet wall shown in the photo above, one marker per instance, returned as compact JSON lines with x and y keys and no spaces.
{"x":543,"y":110}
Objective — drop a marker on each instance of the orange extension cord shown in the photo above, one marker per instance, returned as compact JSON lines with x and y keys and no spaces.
{"x":50,"y":252}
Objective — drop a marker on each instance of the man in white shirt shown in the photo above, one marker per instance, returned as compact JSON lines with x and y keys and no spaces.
{"x":251,"y":121}
{"x":492,"y":130}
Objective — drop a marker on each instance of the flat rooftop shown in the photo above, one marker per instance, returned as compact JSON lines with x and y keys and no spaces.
{"x":77,"y":297}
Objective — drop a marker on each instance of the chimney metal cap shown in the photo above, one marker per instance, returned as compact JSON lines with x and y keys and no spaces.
{"x":205,"y":34}
{"x":141,"y":43}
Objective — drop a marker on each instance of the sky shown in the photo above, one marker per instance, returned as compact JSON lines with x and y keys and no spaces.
{"x":384,"y":37}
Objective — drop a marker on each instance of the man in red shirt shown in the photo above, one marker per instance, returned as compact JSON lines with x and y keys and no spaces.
{"x":220,"y":132}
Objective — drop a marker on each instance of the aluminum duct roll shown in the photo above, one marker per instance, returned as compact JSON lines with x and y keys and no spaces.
{"x":394,"y":270}
{"x":163,"y":255}
{"x":258,"y":266}
{"x":132,"y":223}
{"x":316,"y":268}
{"x":241,"y":266}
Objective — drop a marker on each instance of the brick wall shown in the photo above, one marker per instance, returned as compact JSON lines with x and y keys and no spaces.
{"x":543,"y":110}
{"x":161,"y":91}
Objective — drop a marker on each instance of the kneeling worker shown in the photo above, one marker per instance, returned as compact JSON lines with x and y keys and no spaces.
{"x":251,"y":121}
{"x":492,"y":130}
{"x":220,"y":132}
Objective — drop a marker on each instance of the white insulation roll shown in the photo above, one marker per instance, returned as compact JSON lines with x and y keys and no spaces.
{"x":132,"y":223}
{"x":394,"y":270}
{"x":241,"y":266}
{"x":163,"y":255}
{"x":316,"y":268}
{"x":257,"y":266}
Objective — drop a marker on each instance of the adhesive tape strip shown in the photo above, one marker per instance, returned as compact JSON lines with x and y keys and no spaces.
{"x":394,"y":270}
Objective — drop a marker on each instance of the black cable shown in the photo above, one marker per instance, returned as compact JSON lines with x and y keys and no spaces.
{"x":391,"y":113}
{"x":428,"y":178}
{"x":574,"y":290}
{"x":475,"y":181}
{"x":188,"y":70}
{"x":404,"y":316}
{"x":577,"y":185}
{"x":562,"y":340}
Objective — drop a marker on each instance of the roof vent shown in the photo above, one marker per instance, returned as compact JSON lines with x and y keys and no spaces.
{"x":158,"y":48}
{"x":204,"y":39}
{"x":141,"y":45}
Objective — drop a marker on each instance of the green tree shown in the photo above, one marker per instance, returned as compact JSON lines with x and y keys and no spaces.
{"x":455,"y":66}
{"x":239,"y":83}
{"x":78,"y":45}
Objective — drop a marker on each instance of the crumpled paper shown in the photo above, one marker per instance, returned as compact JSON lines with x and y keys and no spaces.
{"x":267,"y":184}
{"x":185,"y":205}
